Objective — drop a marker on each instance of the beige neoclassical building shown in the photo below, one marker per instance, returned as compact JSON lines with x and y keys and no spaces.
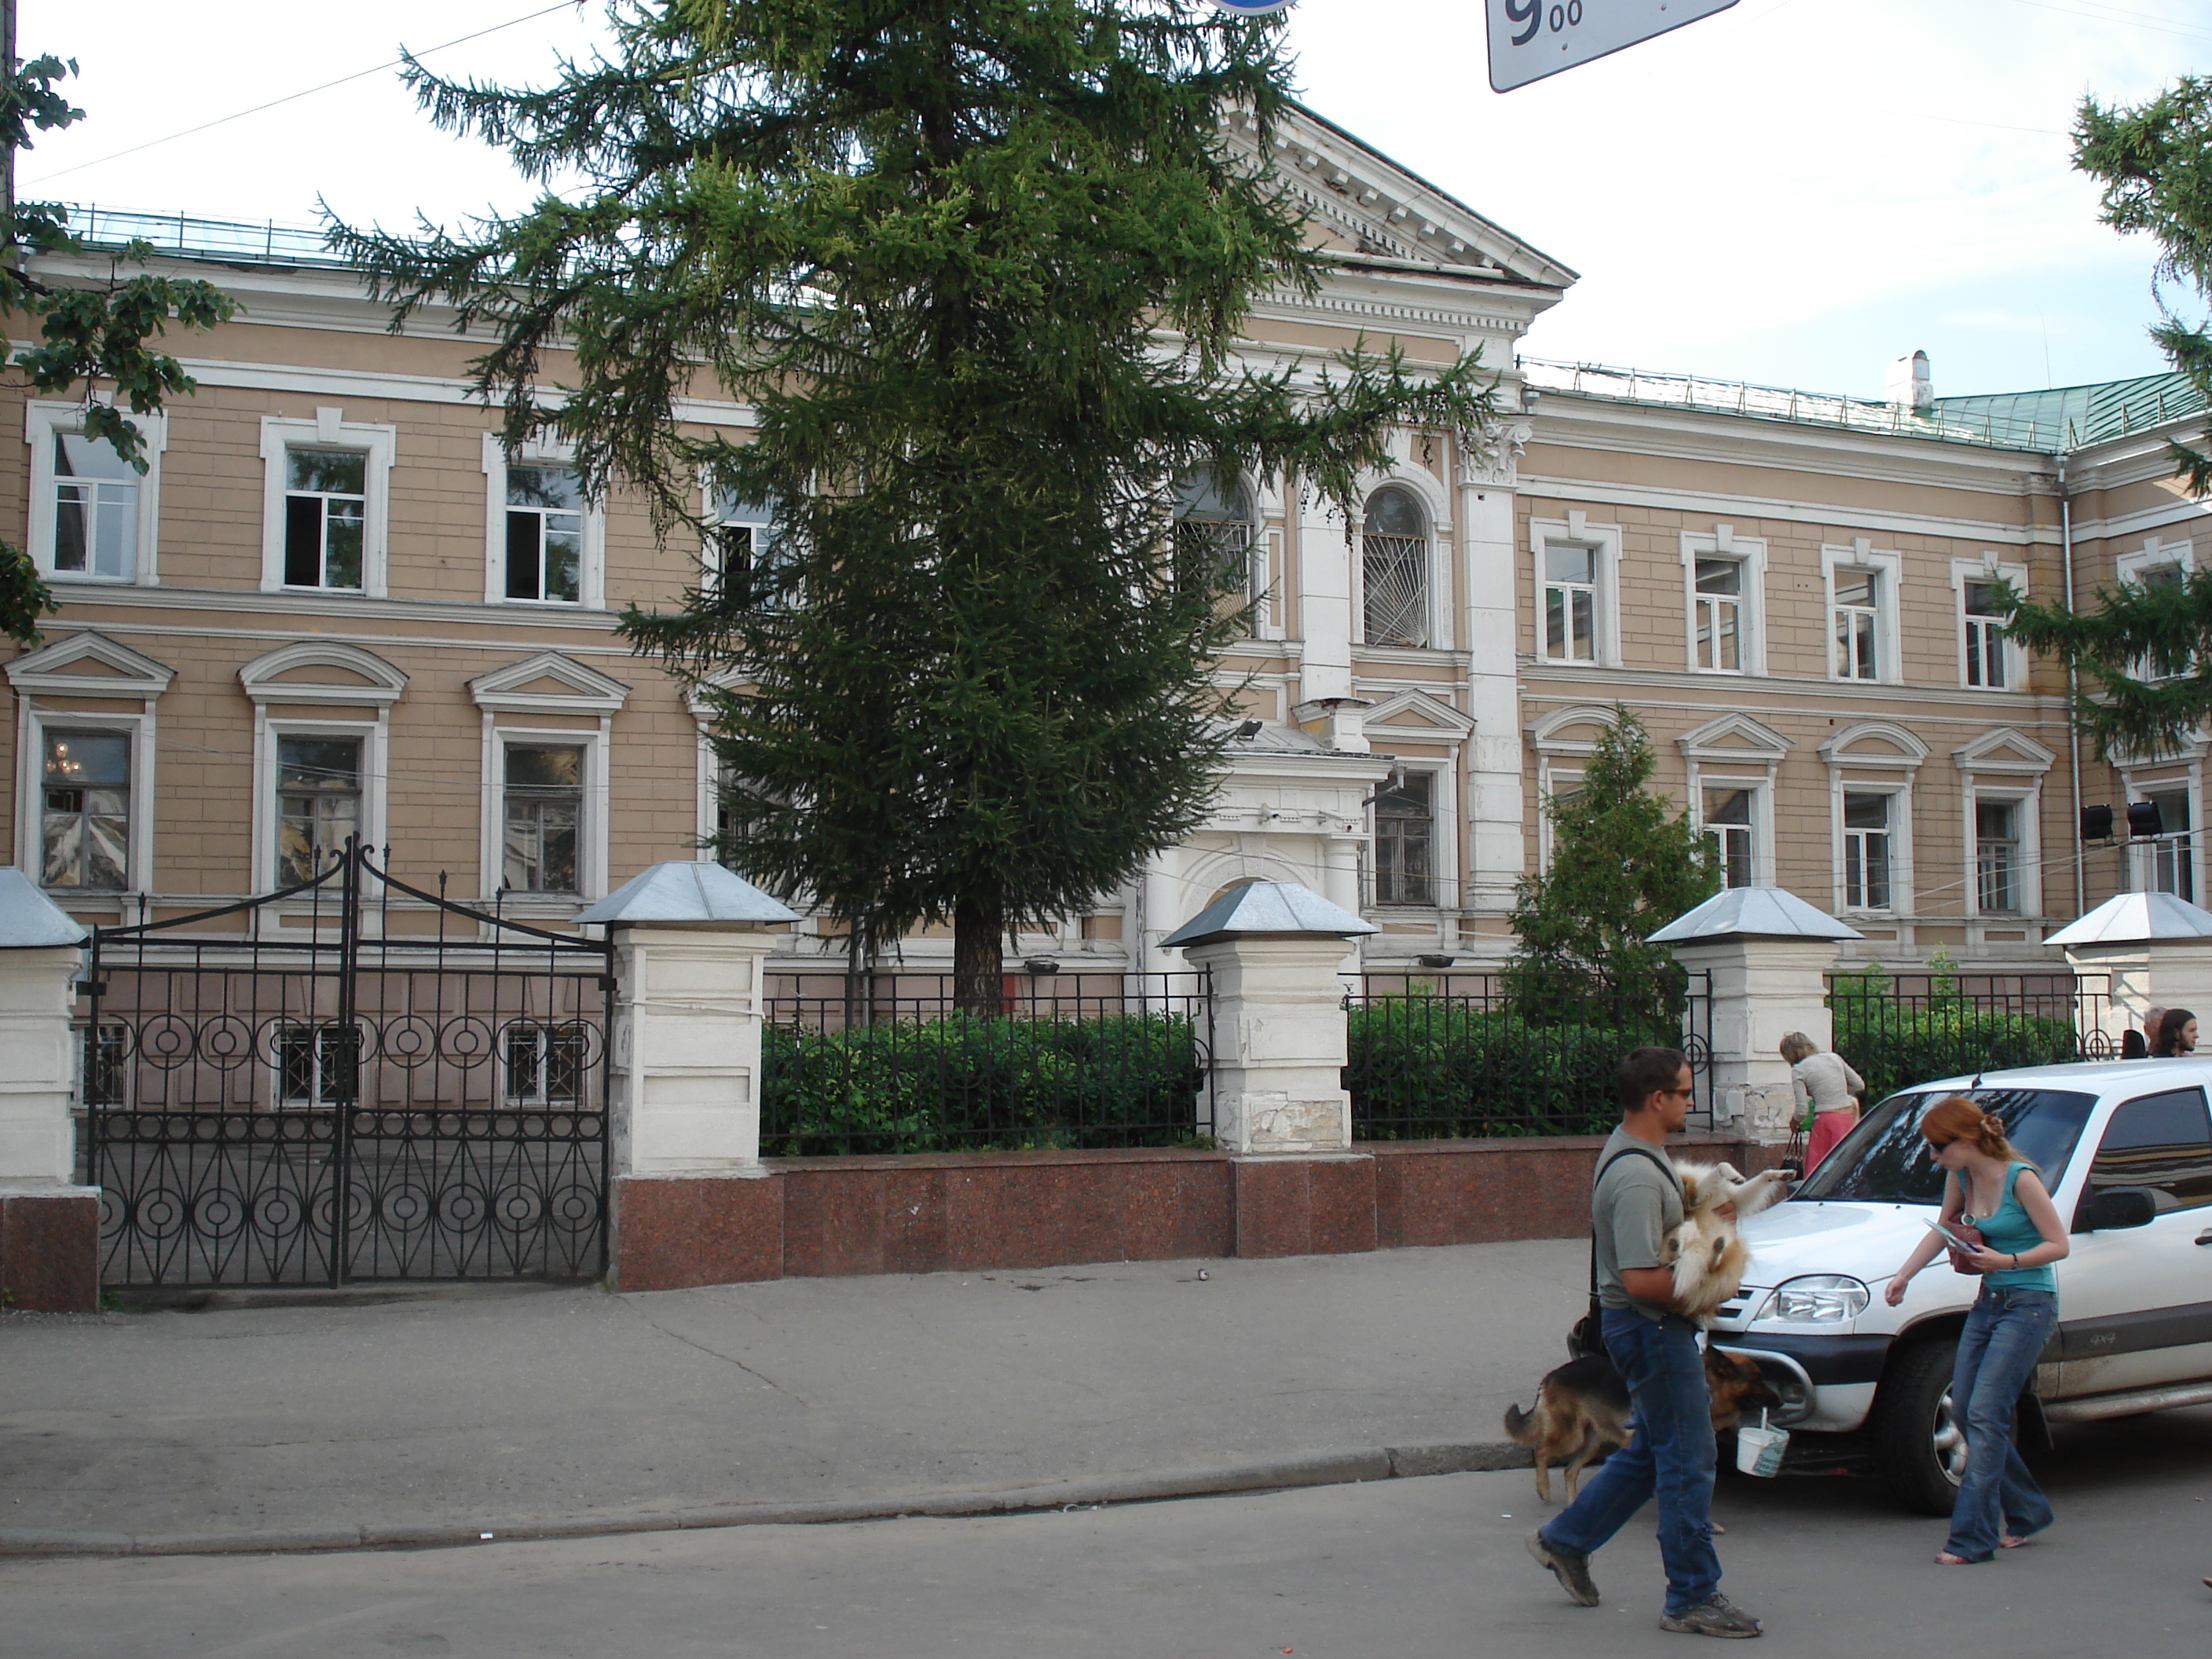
{"x":333,"y":605}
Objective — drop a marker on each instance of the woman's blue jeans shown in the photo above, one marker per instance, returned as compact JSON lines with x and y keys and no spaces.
{"x":2005,"y":1329}
{"x":1671,"y":1457}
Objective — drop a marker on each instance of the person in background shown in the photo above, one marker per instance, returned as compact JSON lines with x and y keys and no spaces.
{"x":1823,"y":1084}
{"x":1989,"y":1186}
{"x":2132,"y":1046}
{"x":2176,"y":1035}
{"x":2151,"y":1018}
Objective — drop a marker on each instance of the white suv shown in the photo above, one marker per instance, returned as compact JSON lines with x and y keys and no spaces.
{"x":2126,"y":1148}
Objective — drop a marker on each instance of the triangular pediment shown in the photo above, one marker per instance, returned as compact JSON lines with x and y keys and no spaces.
{"x":1418,"y":715}
{"x":322,"y":672}
{"x":90,"y":663}
{"x":549,"y":683}
{"x":1734,"y":737}
{"x":1359,"y":201}
{"x":2005,"y":750}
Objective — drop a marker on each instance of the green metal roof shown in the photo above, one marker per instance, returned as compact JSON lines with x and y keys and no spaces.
{"x":2067,"y":417}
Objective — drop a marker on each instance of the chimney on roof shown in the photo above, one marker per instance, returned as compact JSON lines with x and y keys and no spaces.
{"x":1910,"y":386}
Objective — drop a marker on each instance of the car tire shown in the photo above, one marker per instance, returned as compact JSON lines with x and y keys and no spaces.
{"x":1919,"y":1445}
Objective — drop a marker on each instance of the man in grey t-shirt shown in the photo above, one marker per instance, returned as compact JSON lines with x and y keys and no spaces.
{"x":1635,"y":1203}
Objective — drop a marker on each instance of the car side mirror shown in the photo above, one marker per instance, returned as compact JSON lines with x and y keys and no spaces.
{"x":2114,"y":1208}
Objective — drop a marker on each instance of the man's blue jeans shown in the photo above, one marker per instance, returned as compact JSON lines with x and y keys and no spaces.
{"x":1671,"y":1458}
{"x":2005,"y":1329}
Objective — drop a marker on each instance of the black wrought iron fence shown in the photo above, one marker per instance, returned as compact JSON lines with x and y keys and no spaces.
{"x":1077,"y":1061}
{"x":352,"y":1078}
{"x":1896,"y":1031}
{"x":1447,"y":1056}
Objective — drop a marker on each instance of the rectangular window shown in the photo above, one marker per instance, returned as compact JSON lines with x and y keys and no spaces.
{"x":1727,"y":821}
{"x":544,"y":534}
{"x":1996,"y":856}
{"x":1858,"y":611}
{"x":544,"y":1063}
{"x":543,"y":809}
{"x":740,"y":550}
{"x":325,"y":512}
{"x":2161,"y":665}
{"x":1570,"y":602}
{"x":86,"y":826}
{"x":1866,"y":852}
{"x":1405,"y":835}
{"x":317,"y":803}
{"x":1720,"y":615}
{"x":2172,"y":867}
{"x":1984,"y":642}
{"x":316,"y":1064}
{"x":96,"y":509}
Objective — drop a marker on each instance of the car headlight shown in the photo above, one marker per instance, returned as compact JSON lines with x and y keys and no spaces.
{"x":1815,"y":1300}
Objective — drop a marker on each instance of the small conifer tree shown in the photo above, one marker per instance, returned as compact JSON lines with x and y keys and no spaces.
{"x":1622,"y":868}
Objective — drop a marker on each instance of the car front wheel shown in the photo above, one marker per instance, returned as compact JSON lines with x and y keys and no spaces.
{"x":1920,"y":1441}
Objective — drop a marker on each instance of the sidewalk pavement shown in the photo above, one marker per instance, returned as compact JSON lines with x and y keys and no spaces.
{"x":529,"y":1411}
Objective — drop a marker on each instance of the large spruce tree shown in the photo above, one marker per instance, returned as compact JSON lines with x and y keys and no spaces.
{"x":981,"y":268}
{"x":2146,"y":649}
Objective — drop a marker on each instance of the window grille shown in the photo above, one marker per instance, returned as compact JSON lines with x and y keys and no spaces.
{"x":1394,"y":569}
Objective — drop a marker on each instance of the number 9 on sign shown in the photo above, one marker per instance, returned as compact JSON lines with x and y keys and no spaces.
{"x":1532,"y":39}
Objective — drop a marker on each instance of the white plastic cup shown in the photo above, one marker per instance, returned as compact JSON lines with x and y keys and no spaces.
{"x":1759,"y":1451}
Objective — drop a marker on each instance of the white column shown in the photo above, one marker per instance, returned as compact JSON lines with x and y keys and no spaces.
{"x":1762,"y":990}
{"x":1325,"y":589}
{"x":1279,"y":1040}
{"x":691,"y":942}
{"x":687,"y":1060}
{"x":38,"y":1140}
{"x":2143,"y":975}
{"x":1279,"y":1044}
{"x":1495,"y":808}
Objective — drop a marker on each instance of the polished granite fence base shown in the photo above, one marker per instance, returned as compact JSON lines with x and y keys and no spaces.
{"x":50,"y":1251}
{"x":932,"y":1213}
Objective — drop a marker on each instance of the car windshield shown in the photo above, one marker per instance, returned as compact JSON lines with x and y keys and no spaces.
{"x":1885,"y":1160}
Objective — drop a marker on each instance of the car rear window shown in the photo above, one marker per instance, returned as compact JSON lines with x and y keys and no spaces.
{"x":1884,"y":1160}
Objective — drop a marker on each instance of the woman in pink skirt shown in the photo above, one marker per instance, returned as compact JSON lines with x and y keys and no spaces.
{"x":1823,"y":1086}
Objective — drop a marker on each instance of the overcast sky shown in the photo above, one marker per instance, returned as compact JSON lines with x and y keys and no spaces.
{"x":1793,"y":191}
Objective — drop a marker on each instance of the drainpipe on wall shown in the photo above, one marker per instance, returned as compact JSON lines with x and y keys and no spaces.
{"x":2073,"y":726}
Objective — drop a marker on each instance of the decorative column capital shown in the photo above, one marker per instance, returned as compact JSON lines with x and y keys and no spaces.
{"x":1494,"y":457}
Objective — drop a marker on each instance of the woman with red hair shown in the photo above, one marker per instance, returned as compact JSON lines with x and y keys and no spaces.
{"x":1989,"y":1187}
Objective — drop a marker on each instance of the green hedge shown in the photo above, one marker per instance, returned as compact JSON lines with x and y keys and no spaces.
{"x":963,"y":1082}
{"x":1893,"y":1044}
{"x":1424,"y":1068}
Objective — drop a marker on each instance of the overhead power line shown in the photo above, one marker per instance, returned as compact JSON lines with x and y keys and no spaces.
{"x":295,"y":97}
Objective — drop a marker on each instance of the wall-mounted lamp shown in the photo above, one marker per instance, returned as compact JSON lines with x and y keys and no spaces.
{"x":2143,"y":819}
{"x":2096,"y":824}
{"x":1249,"y":729}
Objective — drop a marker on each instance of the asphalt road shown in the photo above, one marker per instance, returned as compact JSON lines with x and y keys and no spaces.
{"x":1411,"y":1568}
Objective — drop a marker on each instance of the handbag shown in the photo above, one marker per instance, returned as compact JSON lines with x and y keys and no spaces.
{"x":1586,"y":1340}
{"x":1967,"y":1234}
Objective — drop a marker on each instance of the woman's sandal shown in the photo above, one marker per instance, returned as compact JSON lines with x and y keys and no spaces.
{"x":2011,"y":1541}
{"x":1948,"y":1559}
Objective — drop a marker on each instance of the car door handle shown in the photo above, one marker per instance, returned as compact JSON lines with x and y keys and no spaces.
{"x":2205,"y":1237}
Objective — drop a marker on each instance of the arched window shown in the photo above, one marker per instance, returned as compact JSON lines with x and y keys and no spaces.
{"x":1213,"y":529}
{"x":1394,"y":568}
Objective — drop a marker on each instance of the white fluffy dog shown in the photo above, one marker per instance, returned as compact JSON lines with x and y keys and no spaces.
{"x":1707,"y":1255}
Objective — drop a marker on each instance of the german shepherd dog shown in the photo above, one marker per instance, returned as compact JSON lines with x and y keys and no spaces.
{"x":1582,"y":1411}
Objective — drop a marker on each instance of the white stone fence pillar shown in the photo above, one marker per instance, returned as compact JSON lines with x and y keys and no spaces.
{"x":1274,"y":950}
{"x":691,"y":942}
{"x":2142,"y":951}
{"x":49,"y":1225}
{"x":1768,"y":953}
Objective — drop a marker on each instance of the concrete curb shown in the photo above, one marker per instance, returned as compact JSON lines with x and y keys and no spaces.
{"x":1268,"y":1475}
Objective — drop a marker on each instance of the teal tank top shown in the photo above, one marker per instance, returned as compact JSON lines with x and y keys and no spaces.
{"x":2009,"y":1230}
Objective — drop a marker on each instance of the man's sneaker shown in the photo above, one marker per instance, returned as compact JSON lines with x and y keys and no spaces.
{"x":1569,"y":1567}
{"x":1717,"y":1617}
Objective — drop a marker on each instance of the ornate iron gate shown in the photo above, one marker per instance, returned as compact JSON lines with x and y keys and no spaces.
{"x":347,"y":1079}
